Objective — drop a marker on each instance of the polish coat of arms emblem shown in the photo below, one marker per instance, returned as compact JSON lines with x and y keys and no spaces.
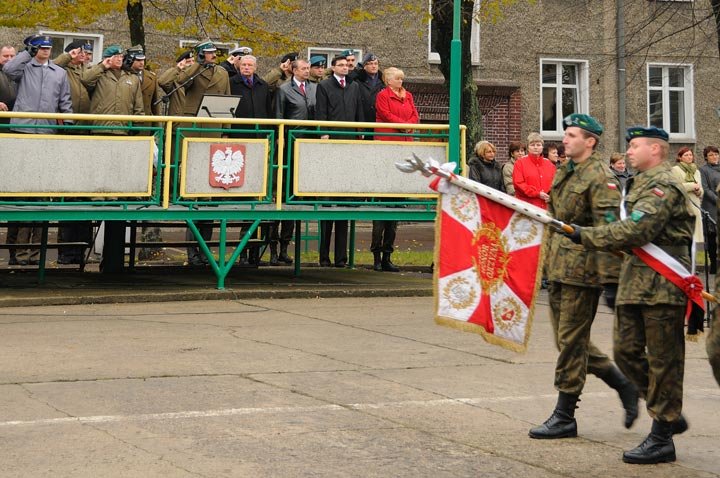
{"x":227,"y":165}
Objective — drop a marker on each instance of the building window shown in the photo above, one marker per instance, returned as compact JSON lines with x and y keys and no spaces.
{"x":222,"y":48}
{"x":329,"y":53}
{"x":434,"y":56}
{"x":62,"y":39}
{"x":670,"y":100}
{"x":563,"y":91}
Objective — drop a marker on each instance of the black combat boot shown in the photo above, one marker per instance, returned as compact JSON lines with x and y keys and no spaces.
{"x":658,"y":447}
{"x":561,"y":423}
{"x":627,"y":391}
{"x":377,"y":262}
{"x":284,"y":255}
{"x":679,"y":426}
{"x":386,"y":265}
{"x":273,"y":255}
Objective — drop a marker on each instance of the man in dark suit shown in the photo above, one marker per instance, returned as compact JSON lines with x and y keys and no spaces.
{"x":337,"y":100}
{"x":295,"y":99}
{"x":255,"y":102}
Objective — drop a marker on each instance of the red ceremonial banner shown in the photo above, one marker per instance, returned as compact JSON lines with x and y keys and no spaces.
{"x":488,"y":259}
{"x":227,"y":165}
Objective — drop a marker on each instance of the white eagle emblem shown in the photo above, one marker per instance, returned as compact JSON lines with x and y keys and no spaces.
{"x":227,"y":165}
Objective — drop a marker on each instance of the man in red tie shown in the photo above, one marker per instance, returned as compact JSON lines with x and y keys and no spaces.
{"x":337,"y":100}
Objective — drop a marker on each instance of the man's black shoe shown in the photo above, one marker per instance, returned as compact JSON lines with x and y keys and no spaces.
{"x":325,"y":263}
{"x":561,"y":423}
{"x":196,"y":261}
{"x":340,"y":264}
{"x":22,"y":262}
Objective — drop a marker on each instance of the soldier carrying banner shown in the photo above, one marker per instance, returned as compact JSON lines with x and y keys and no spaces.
{"x":654,"y":288}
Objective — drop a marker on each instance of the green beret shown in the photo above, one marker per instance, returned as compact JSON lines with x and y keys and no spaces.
{"x":649,"y":132}
{"x":112,"y":50}
{"x":348,"y":53}
{"x":318,"y":60}
{"x":582,"y":121}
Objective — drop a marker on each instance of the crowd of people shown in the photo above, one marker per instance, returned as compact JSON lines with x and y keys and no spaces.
{"x":614,"y":209}
{"x":298,"y":88}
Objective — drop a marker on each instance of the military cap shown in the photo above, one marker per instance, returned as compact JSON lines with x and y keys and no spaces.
{"x":289,"y":56}
{"x":582,"y":121}
{"x":348,"y":52}
{"x":184,"y":56}
{"x":40,"y":41}
{"x":136,"y":53}
{"x":241,"y":51}
{"x":318,"y":60}
{"x":369,"y":57}
{"x":84,"y":44}
{"x":646,"y":132}
{"x":112,"y":50}
{"x":206,"y":46}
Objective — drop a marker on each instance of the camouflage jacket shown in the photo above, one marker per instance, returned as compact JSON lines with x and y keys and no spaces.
{"x":657,"y":212}
{"x":586,"y":194}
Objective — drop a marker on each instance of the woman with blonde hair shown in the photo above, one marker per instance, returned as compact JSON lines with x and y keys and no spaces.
{"x":484,"y":169}
{"x":394,"y":104}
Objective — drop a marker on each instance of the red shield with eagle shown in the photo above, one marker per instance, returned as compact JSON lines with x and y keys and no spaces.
{"x":227,"y":165}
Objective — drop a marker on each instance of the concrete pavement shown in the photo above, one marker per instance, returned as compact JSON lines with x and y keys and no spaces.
{"x":356,"y":387}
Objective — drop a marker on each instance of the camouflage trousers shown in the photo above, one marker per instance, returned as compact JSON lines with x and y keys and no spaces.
{"x":572,"y":311}
{"x":712,"y":344}
{"x":649,"y":346}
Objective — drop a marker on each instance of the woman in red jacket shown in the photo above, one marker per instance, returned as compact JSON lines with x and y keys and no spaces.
{"x":394,"y":104}
{"x":533,"y":174}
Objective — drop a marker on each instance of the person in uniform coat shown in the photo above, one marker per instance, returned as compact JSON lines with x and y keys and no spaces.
{"x":649,"y":345}
{"x":75,"y":58}
{"x":583,"y":192}
{"x":318,"y":64}
{"x":199,"y":78}
{"x":337,"y":100}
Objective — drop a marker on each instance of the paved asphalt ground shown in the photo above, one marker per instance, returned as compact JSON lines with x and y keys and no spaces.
{"x":321,"y":387}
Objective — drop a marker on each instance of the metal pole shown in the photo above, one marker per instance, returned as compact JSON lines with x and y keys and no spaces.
{"x":455,"y":92}
{"x":620,"y":51}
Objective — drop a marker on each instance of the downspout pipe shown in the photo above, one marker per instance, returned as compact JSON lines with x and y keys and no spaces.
{"x":620,"y":53}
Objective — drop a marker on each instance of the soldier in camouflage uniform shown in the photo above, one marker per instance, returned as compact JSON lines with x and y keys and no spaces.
{"x":713,"y":339}
{"x":584,"y":192}
{"x":648,"y":340}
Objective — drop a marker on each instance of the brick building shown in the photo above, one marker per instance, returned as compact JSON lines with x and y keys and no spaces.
{"x":539,"y":62}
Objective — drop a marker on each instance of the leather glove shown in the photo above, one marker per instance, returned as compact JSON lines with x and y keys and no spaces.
{"x":610,"y":292}
{"x":575,"y":235}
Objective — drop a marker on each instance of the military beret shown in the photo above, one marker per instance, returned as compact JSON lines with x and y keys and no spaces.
{"x":649,"y":132}
{"x":40,"y":41}
{"x":369,"y":57}
{"x":184,"y":56}
{"x":112,"y":50}
{"x":241,"y":51}
{"x":348,"y":52}
{"x":318,"y":60}
{"x":289,"y":56}
{"x":84,"y":44}
{"x":206,"y":46}
{"x":582,"y":121}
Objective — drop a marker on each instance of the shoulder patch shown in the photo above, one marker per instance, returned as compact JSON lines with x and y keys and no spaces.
{"x":636,"y":215}
{"x":658,"y":192}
